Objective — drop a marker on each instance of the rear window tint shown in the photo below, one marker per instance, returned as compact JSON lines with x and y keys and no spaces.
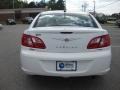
{"x":65,"y":20}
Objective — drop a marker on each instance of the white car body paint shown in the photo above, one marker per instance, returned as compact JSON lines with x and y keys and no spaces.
{"x":65,"y":47}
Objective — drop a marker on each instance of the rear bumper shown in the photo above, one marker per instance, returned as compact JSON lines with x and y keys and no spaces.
{"x":42,"y":63}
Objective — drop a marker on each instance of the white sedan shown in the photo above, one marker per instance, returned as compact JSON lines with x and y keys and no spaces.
{"x":65,"y":44}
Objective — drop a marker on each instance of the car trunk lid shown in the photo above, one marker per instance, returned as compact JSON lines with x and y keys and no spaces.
{"x":66,"y":39}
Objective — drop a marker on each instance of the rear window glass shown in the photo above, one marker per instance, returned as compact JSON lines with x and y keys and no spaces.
{"x":65,"y":20}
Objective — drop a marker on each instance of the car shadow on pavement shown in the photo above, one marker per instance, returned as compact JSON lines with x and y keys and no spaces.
{"x":57,"y":83}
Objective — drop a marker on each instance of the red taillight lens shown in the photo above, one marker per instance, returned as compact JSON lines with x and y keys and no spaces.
{"x":99,"y":42}
{"x":32,"y":41}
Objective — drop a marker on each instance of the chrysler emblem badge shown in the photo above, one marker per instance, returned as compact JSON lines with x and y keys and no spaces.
{"x":66,"y":40}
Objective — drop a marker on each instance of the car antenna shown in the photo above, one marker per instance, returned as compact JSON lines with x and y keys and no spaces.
{"x":64,"y":8}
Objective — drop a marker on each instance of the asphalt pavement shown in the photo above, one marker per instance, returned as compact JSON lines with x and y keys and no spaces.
{"x":12,"y":77}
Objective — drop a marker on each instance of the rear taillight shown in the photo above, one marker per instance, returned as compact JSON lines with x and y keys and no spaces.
{"x":32,"y":41}
{"x":99,"y":42}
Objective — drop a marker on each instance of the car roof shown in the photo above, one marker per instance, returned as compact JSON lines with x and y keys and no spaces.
{"x":61,"y":12}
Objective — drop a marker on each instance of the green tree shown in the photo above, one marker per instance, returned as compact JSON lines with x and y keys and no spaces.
{"x":4,"y":4}
{"x":32,"y":5}
{"x":60,"y":5}
{"x":8,"y":4}
{"x":23,"y":4}
{"x":52,"y":4}
{"x":41,"y":4}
